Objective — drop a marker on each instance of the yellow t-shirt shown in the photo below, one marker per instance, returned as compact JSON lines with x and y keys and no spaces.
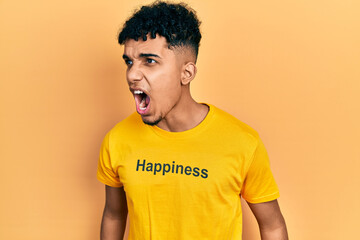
{"x":187,"y":185}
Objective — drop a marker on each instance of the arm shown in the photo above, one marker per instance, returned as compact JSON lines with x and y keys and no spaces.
{"x":271,"y":222}
{"x":115,"y":213}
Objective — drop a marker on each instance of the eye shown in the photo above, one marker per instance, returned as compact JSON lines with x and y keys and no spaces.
{"x":128,"y":62}
{"x":150,"y":60}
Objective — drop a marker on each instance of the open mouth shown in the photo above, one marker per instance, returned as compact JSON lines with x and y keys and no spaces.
{"x":142,"y":101}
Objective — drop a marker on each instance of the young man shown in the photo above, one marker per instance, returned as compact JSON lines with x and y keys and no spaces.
{"x":178,"y":167}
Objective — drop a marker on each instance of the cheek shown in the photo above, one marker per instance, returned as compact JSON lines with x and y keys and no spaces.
{"x":167,"y":83}
{"x":167,"y":92}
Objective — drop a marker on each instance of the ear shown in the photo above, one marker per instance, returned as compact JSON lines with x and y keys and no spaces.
{"x":188,"y":73}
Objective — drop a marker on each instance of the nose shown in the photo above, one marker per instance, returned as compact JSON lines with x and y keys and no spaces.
{"x":134,"y":73}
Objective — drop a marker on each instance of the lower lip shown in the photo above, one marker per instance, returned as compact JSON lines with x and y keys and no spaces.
{"x":145,"y":111}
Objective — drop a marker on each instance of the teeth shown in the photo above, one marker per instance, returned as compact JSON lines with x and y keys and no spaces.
{"x":142,"y":108}
{"x":138,"y":92}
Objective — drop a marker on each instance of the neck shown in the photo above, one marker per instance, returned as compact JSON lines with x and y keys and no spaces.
{"x":185,"y":115}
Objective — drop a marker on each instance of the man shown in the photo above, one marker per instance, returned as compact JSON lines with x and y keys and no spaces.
{"x":178,"y":167}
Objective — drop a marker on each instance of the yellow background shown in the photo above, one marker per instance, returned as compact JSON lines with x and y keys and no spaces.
{"x":289,"y":69}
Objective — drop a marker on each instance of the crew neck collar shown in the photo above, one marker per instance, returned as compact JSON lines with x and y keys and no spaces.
{"x":190,"y":132}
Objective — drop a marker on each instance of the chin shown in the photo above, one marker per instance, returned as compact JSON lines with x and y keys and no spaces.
{"x":151,"y":122}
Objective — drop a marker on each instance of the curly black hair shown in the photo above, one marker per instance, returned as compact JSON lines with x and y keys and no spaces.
{"x":176,"y":22}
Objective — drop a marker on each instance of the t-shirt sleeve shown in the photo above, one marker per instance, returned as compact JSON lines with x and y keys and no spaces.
{"x":105,"y":171}
{"x":259,"y":184}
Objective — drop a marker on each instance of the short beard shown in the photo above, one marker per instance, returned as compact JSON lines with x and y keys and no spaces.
{"x":153,"y":123}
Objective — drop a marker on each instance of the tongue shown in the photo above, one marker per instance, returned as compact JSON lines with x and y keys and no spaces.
{"x":142,"y":101}
{"x":142,"y":104}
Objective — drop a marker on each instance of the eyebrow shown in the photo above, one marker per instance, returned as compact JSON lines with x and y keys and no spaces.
{"x":143,"y":55}
{"x":149,"y":55}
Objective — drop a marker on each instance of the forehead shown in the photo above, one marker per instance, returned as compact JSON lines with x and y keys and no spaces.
{"x":158,"y":46}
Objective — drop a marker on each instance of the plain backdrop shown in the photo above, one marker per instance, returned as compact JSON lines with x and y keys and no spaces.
{"x":289,"y":69}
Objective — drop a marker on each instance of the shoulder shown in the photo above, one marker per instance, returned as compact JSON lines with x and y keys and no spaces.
{"x":127,"y":127}
{"x":229,"y":124}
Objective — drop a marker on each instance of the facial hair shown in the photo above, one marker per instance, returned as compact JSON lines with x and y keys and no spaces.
{"x":152,"y":123}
